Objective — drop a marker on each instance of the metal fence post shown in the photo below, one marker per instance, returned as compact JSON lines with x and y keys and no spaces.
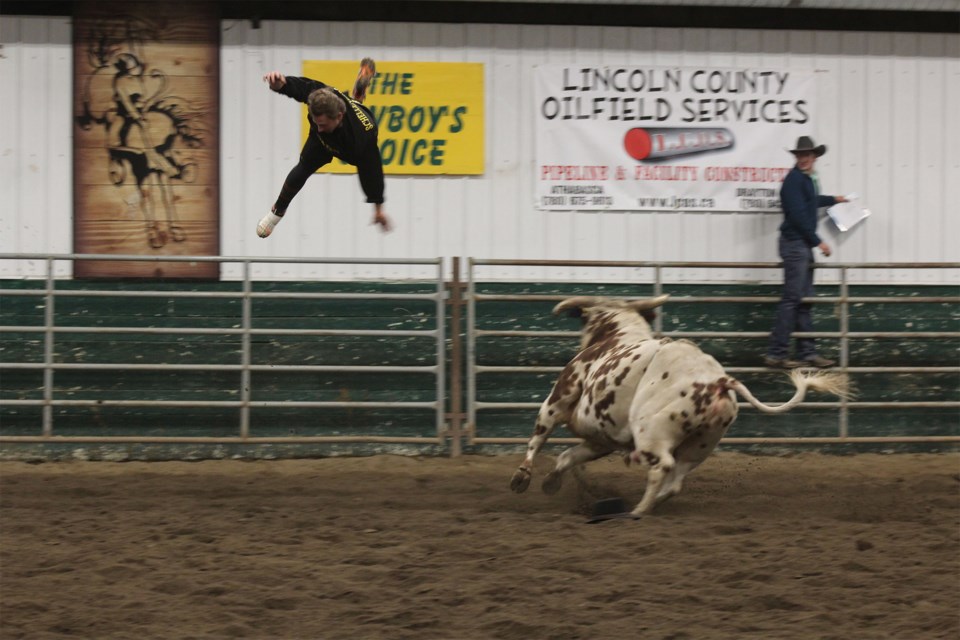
{"x":658,"y":290}
{"x":48,"y":340}
{"x":245,"y":348}
{"x":441,"y":351}
{"x":471,"y":356}
{"x":844,"y":346}
{"x":456,"y":362}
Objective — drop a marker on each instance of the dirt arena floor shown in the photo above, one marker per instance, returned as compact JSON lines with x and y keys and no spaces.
{"x":806,"y":546}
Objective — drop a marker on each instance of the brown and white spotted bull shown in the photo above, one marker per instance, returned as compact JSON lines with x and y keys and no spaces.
{"x":664,"y":403}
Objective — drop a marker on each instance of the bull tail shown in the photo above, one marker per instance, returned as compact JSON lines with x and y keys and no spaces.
{"x":833,"y":383}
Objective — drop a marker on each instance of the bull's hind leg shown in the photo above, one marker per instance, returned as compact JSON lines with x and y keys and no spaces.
{"x":547,"y":420}
{"x":655,"y":452}
{"x":577,"y":455}
{"x":661,"y":467}
{"x":690,"y":453}
{"x":673,"y":482}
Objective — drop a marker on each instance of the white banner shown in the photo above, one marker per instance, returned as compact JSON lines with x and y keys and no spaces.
{"x":662,"y":138}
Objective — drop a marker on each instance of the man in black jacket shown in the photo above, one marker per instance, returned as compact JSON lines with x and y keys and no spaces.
{"x":341,"y":127}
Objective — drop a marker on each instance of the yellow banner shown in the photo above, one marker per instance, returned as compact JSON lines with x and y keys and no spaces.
{"x":430,"y":114}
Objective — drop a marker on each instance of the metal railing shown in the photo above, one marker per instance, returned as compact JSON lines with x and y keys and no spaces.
{"x":50,"y":294}
{"x":448,"y":430}
{"x":844,"y":335}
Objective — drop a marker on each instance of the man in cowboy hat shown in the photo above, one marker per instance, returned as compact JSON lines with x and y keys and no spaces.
{"x":800,"y":198}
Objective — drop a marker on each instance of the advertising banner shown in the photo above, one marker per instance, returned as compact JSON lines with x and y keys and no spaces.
{"x":667,"y":138}
{"x":430,"y":114}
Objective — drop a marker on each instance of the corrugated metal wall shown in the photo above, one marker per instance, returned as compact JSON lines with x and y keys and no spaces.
{"x":887,"y":109}
{"x":36,"y":134}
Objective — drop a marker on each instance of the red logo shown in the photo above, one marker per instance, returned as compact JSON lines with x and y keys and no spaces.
{"x":667,"y":142}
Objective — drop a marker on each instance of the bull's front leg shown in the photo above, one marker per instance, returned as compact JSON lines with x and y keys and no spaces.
{"x":547,"y":420}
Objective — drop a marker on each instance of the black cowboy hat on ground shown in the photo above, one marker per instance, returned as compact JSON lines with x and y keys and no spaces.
{"x":805,"y":143}
{"x":610,"y":509}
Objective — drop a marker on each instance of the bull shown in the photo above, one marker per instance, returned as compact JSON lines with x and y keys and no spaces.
{"x":662,"y":403}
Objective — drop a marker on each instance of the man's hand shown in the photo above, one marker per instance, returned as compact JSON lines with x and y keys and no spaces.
{"x":840,"y":199}
{"x":381,"y":219}
{"x":275,"y":79}
{"x":825,"y":248}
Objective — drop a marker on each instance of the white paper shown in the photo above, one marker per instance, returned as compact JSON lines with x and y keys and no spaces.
{"x":846,"y":215}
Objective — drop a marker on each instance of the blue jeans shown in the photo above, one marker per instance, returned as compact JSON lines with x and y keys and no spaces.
{"x":792,"y":314}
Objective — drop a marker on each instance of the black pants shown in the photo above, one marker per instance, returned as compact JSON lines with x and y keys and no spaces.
{"x":313,"y":155}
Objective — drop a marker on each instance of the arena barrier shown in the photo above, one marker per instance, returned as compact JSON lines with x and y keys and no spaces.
{"x":50,"y":294}
{"x":652,"y":282}
{"x":457,"y":405}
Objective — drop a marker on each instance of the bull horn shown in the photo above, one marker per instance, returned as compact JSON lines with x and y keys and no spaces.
{"x":578,"y":302}
{"x":648,"y":303}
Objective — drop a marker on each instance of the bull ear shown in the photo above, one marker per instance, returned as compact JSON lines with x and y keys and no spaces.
{"x":574,"y":306}
{"x":649,"y":303}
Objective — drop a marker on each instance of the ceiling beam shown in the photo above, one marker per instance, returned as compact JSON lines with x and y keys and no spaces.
{"x":790,"y":17}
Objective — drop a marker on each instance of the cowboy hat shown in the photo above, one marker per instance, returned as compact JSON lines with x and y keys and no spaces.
{"x":805,"y":143}
{"x":610,"y":509}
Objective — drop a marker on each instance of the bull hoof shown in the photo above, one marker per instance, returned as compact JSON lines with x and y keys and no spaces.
{"x":520,"y":480}
{"x":551,"y":484}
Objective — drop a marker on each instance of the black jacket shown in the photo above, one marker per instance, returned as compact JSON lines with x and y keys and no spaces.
{"x":800,"y":201}
{"x":354,"y":141}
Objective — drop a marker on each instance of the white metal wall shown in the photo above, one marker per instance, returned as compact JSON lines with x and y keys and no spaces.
{"x":36,"y":153}
{"x":887,"y":110}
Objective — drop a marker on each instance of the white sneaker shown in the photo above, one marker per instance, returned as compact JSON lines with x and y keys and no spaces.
{"x":267,"y":223}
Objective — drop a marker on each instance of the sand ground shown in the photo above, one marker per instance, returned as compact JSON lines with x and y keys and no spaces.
{"x":805,"y":546}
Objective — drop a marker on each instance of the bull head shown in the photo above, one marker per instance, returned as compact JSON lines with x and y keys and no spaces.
{"x":605,"y":317}
{"x":577,"y":305}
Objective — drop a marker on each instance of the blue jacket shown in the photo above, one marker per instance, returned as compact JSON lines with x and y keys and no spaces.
{"x":799,"y":200}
